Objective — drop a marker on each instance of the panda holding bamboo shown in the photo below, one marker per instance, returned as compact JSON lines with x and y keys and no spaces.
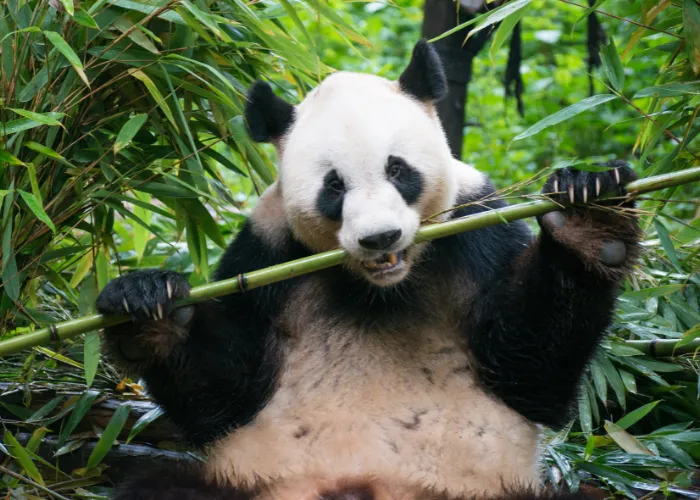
{"x":415,"y":371}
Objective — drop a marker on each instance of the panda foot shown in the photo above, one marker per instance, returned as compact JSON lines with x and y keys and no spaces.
{"x":603,"y":235}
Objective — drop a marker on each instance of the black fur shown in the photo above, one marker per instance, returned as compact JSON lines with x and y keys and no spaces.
{"x":221,"y":375}
{"x":268,"y":116}
{"x":539,"y":319}
{"x":330,"y":199}
{"x":408,"y":181}
{"x":177,"y":481}
{"x":424,"y":77}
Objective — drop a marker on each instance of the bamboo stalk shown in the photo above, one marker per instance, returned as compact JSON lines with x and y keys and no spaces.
{"x":332,"y":258}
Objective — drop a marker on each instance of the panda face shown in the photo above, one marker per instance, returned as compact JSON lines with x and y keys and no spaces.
{"x":363,"y":164}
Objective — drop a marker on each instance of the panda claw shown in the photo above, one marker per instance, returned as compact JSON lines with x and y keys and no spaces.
{"x":169,"y":286}
{"x":597,"y":186}
{"x":556,"y":184}
{"x":617,"y":175}
{"x":126,"y":305}
{"x":585,"y":194}
{"x":571,"y":193}
{"x":160,"y":311}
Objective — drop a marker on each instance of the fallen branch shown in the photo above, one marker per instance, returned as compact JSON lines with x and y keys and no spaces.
{"x":325,"y":260}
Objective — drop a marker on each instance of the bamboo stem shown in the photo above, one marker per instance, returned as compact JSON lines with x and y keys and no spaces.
{"x":325,"y":260}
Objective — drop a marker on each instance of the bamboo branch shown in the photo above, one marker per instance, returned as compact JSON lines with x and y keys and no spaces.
{"x":332,"y":258}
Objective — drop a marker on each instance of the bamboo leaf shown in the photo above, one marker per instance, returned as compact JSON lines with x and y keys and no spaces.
{"x":35,"y":206}
{"x":505,"y":29}
{"x":109,"y":435}
{"x":667,"y":244}
{"x":68,"y":5}
{"x":85,"y":19}
{"x":143,"y":421}
{"x":691,"y":33}
{"x":41,"y":149}
{"x":128,"y":131}
{"x":49,"y":119}
{"x":657,"y":291}
{"x":499,"y":14}
{"x":6,"y":157}
{"x":65,"y":49}
{"x":45,"y":410}
{"x":613,"y":65}
{"x":91,"y":349}
{"x":565,"y":114}
{"x":613,"y":377}
{"x":155,"y":93}
{"x":14,"y":126}
{"x":79,"y":411}
{"x":22,"y":456}
{"x":636,"y":415}
{"x":669,"y":90}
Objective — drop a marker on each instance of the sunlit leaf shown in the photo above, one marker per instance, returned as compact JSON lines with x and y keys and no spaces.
{"x":35,"y":206}
{"x":565,"y":114}
{"x":65,"y":49}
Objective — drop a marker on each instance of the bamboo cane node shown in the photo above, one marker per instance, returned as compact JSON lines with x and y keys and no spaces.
{"x":652,"y":348}
{"x":243,"y":282}
{"x":53,"y":330}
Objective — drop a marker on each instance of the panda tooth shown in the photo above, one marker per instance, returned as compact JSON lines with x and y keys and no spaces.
{"x":392,"y":259}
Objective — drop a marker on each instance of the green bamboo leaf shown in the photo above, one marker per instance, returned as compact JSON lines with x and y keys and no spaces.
{"x":629,"y":381}
{"x":82,"y":17}
{"x":68,"y":5}
{"x":14,"y":126}
{"x":129,"y":131}
{"x":143,"y":421}
{"x":691,"y":33}
{"x":613,"y":65}
{"x":667,"y":244}
{"x":36,"y":207}
{"x":166,"y":190}
{"x":65,"y":49}
{"x":505,"y":29}
{"x":109,"y":435}
{"x":6,"y":157}
{"x":565,"y":114}
{"x":91,"y":350}
{"x":613,"y":377}
{"x":499,"y":14}
{"x":69,"y":447}
{"x":39,"y":148}
{"x":79,"y":411}
{"x":155,"y":93}
{"x":669,"y":90}
{"x":675,"y":452}
{"x":23,"y":457}
{"x":656,"y":291}
{"x":599,"y":382}
{"x":689,"y":336}
{"x":631,"y":444}
{"x":590,"y":10}
{"x":45,"y":410}
{"x":35,"y":440}
{"x":584,"y":414}
{"x":636,"y":415}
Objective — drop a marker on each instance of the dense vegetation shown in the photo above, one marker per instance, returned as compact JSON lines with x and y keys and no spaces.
{"x":122,"y":146}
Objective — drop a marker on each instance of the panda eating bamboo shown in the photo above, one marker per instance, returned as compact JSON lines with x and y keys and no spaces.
{"x":414,"y":371}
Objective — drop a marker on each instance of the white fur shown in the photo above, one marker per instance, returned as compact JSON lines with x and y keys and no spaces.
{"x":352,"y":123}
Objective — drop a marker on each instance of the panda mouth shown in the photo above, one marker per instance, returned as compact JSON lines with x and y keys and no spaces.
{"x":386,"y":263}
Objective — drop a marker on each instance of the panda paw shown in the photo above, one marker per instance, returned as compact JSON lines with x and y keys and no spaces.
{"x":144,"y":295}
{"x":604,"y":235}
{"x":157,"y":326}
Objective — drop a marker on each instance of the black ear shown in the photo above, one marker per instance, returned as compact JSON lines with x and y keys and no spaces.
{"x":424,"y":77}
{"x":269,"y":117}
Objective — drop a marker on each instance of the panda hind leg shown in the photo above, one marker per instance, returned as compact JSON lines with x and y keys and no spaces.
{"x":176,"y":481}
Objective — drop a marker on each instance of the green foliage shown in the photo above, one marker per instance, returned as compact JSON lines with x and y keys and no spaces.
{"x":122,"y":146}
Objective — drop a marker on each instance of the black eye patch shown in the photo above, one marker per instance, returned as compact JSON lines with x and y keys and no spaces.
{"x":330,"y":199}
{"x":407,"y":180}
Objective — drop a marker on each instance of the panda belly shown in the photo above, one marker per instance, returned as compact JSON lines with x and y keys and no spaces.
{"x":400,"y":408}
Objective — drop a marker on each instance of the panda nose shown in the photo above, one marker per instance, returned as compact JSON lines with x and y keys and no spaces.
{"x":380,"y":241}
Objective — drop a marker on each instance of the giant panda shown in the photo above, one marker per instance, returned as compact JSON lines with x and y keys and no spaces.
{"x":415,"y":371}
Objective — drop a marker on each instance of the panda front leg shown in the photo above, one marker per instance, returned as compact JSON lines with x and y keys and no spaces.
{"x":209,"y":366}
{"x":533,"y":332}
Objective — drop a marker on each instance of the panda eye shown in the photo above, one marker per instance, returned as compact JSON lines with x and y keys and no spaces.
{"x":336,"y":185}
{"x":394,"y":168}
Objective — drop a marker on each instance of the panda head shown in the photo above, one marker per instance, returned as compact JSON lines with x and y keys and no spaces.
{"x":362,"y":161}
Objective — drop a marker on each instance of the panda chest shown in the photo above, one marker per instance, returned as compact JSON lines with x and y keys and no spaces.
{"x":405,"y":407}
